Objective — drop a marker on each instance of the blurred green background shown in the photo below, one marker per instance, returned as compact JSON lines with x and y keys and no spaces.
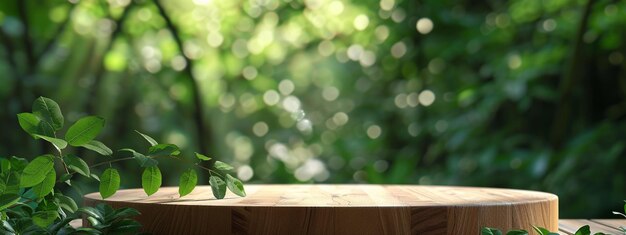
{"x":526,"y":94}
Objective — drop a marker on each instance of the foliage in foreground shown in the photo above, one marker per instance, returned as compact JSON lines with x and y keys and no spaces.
{"x":584,"y":230}
{"x":32,"y":203}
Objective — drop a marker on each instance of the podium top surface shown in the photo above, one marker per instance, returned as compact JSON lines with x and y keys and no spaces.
{"x":318,"y":195}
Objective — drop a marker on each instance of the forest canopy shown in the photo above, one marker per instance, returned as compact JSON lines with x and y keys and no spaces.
{"x":523,"y":94}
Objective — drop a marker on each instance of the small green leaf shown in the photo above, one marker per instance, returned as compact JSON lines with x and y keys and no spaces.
{"x":65,"y":177}
{"x":29,"y":123}
{"x":125,"y":213}
{"x":148,"y":138}
{"x":218,"y":186}
{"x":188,"y":181}
{"x":143,"y":160}
{"x":543,"y":231}
{"x":98,"y":147}
{"x":95,"y":177}
{"x":164,"y":150}
{"x":46,"y":186}
{"x":109,"y":182}
{"x":10,"y":182}
{"x":49,"y":111}
{"x":84,"y":130}
{"x":125,"y":226}
{"x":58,"y":143}
{"x":36,"y":171}
{"x":44,"y":218}
{"x":77,"y":165}
{"x":92,"y":212}
{"x":7,"y":200}
{"x":235,"y":186}
{"x":151,"y":180}
{"x":584,"y":230}
{"x":222,"y":166}
{"x":517,"y":232}
{"x":490,"y":231}
{"x":202,"y":157}
{"x":66,"y":202}
{"x":18,"y":163}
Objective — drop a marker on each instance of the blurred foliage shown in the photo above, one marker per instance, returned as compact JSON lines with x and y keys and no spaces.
{"x":526,"y":94}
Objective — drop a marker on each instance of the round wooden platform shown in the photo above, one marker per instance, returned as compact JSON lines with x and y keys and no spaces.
{"x":339,"y":209}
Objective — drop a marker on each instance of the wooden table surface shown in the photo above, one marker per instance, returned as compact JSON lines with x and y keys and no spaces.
{"x":608,"y":226}
{"x":339,"y":209}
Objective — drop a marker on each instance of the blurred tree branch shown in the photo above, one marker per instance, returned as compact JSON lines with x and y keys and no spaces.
{"x":204,"y":139}
{"x":57,"y":33}
{"x":100,"y":70}
{"x":571,"y":77}
{"x":27,"y":39}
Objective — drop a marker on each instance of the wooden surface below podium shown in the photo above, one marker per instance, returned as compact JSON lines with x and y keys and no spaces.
{"x":339,"y":209}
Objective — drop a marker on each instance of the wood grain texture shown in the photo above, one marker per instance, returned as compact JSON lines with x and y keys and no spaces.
{"x":338,"y":209}
{"x":569,"y":226}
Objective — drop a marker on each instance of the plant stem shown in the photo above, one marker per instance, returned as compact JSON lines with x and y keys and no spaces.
{"x":111,"y":161}
{"x":195,"y":164}
{"x":60,"y":157}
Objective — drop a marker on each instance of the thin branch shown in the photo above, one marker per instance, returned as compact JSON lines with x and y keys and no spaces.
{"x":203,"y":139}
{"x":100,"y":70}
{"x":571,"y":75}
{"x":55,"y":36}
{"x":28,"y":42}
{"x":111,"y":161}
{"x":10,"y":53}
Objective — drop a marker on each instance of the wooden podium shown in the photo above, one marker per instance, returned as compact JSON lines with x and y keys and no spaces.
{"x":339,"y":209}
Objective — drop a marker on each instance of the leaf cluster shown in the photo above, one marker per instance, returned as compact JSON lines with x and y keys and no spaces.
{"x":30,"y":199}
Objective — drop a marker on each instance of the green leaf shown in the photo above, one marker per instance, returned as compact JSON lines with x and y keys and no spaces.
{"x":218,"y":186}
{"x":143,"y":160}
{"x":84,"y":130}
{"x":151,"y":180}
{"x":148,"y":138}
{"x":584,"y":230}
{"x":222,"y":166}
{"x":7,"y":200}
{"x":45,"y":129}
{"x":202,"y":157}
{"x":44,"y":218}
{"x":95,"y":177}
{"x":10,"y":182}
{"x":49,"y":111}
{"x":98,"y":147}
{"x":46,"y":186}
{"x":77,"y":165}
{"x":18,"y":163}
{"x":188,"y":181}
{"x":58,"y":143}
{"x":109,"y":182}
{"x":36,"y":171}
{"x":125,"y":226}
{"x":5,"y":165}
{"x":29,"y":123}
{"x":235,"y":186}
{"x":65,"y":177}
{"x":517,"y":232}
{"x":125,"y":213}
{"x":66,"y":202}
{"x":543,"y":231}
{"x":91,"y":212}
{"x":164,"y":150}
{"x":490,"y":231}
